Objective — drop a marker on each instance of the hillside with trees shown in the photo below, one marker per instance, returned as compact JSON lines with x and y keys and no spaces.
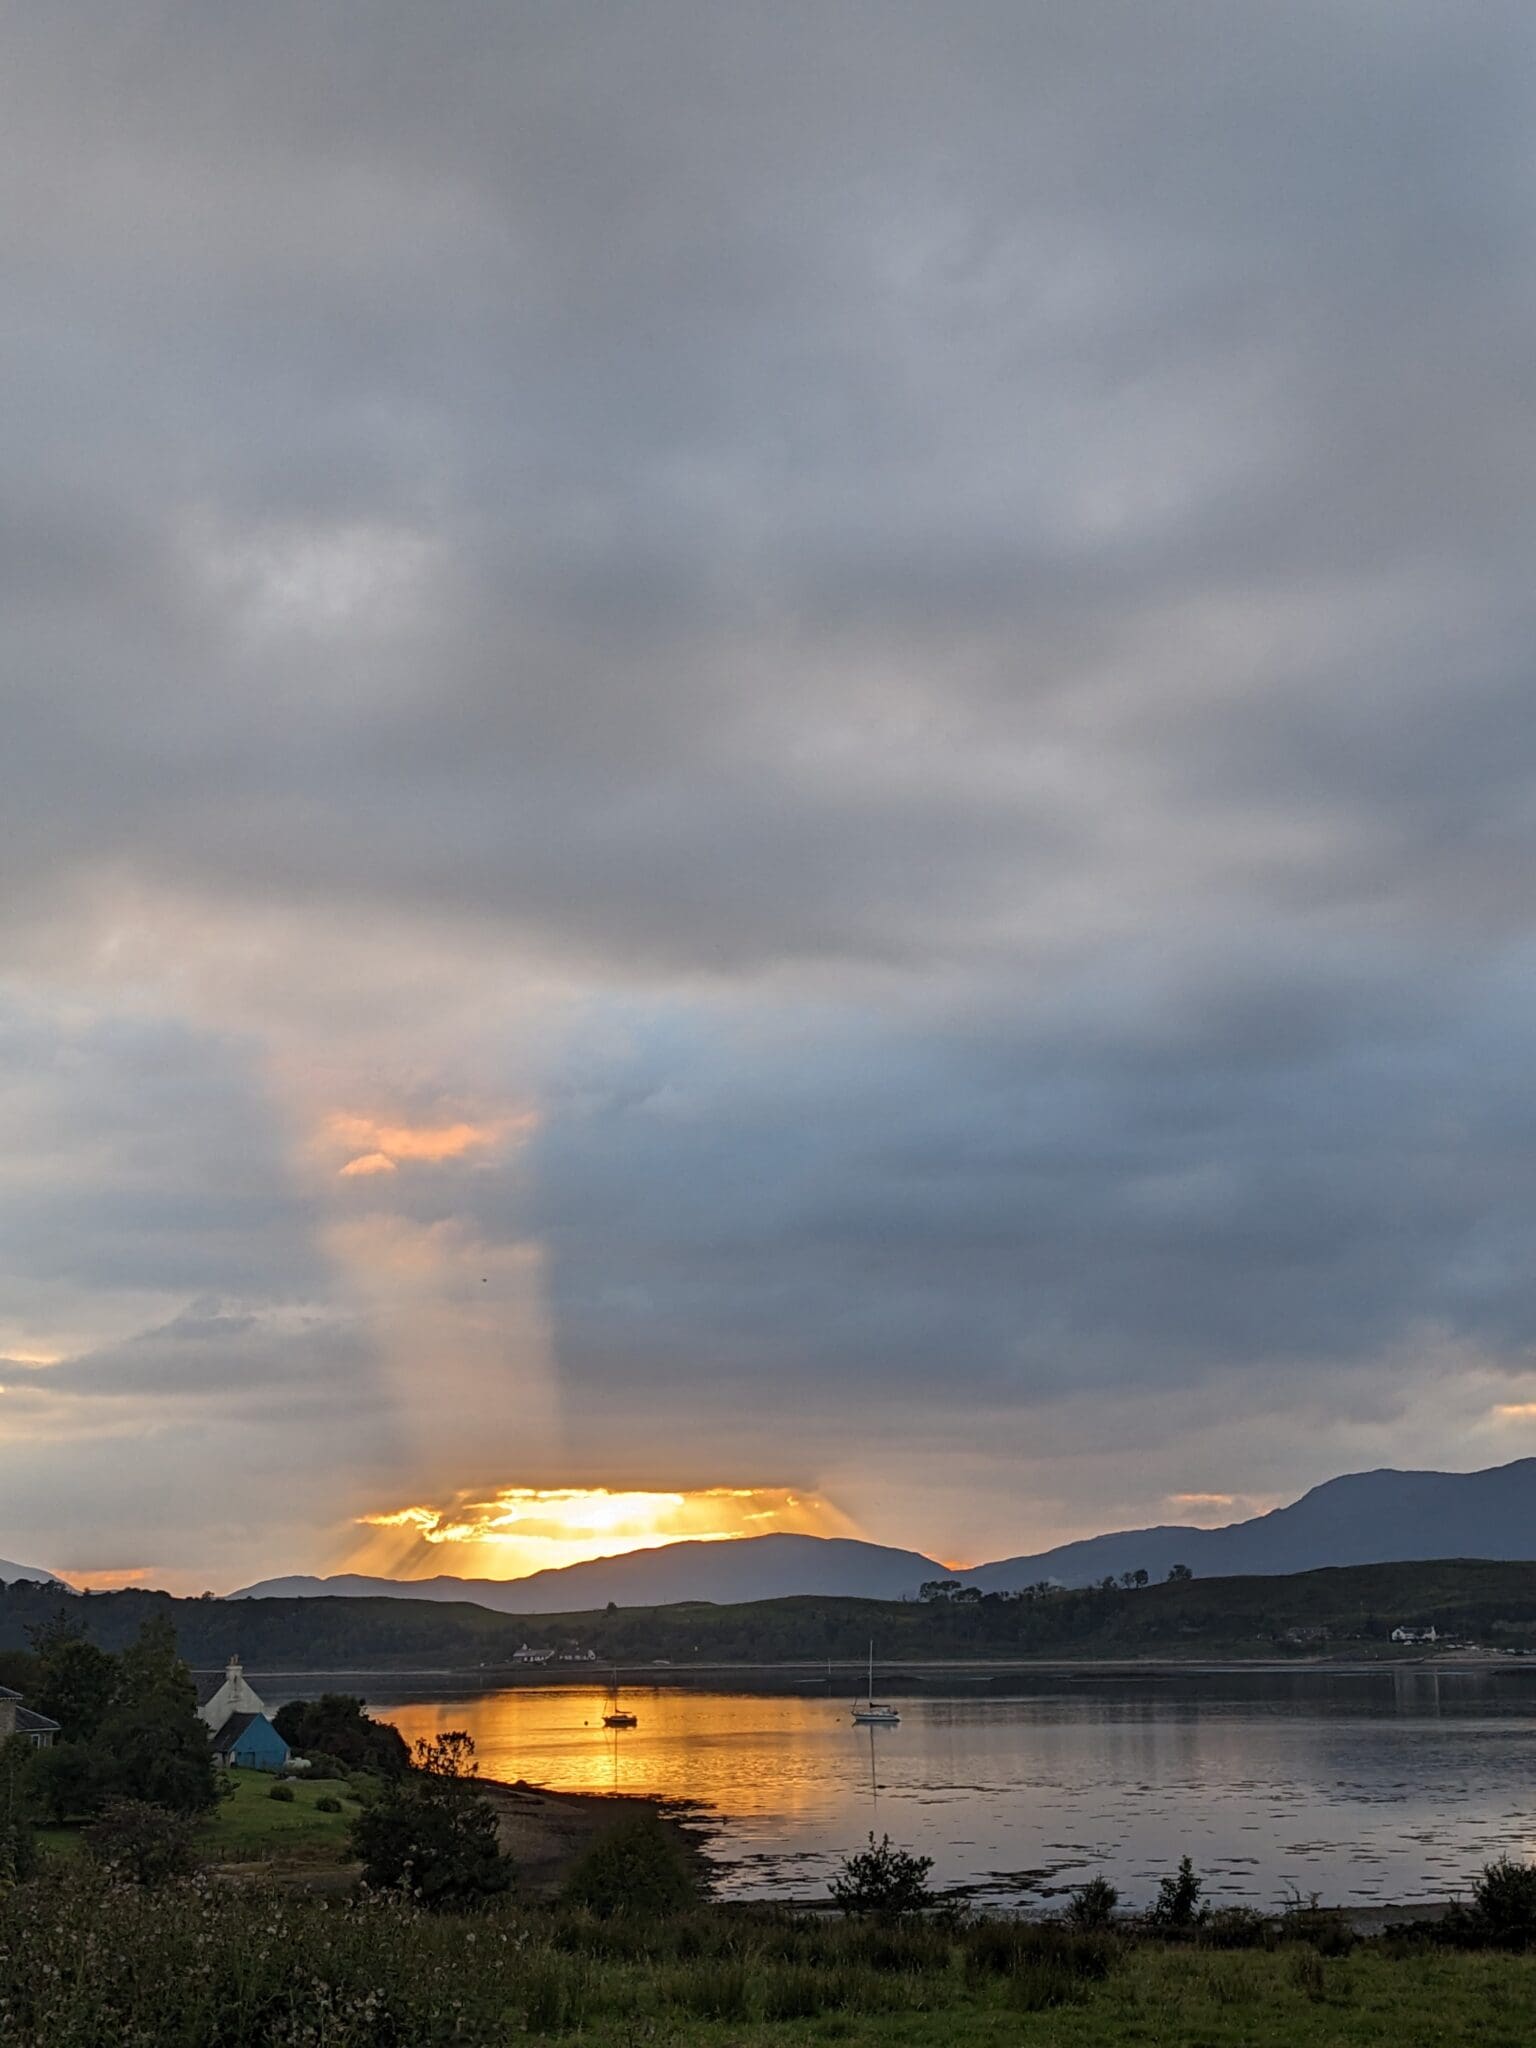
{"x":1348,"y":1611}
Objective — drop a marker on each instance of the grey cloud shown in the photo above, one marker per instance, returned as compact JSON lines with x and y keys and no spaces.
{"x":963,"y":575}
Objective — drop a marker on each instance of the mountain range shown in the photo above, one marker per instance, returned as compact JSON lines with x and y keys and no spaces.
{"x":10,"y":1573}
{"x":1379,"y":1517}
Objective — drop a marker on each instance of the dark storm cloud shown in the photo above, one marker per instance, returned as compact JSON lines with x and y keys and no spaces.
{"x":962,"y":572}
{"x":1265,"y":1173}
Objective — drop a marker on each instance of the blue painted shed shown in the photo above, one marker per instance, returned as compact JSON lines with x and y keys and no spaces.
{"x":251,"y":1741}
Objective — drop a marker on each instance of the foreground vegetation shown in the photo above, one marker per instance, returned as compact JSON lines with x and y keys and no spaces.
{"x":86,"y":1962}
{"x":1347,"y":1610}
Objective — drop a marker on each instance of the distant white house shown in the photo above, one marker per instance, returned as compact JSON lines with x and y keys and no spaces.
{"x":218,"y":1698}
{"x":525,"y":1653}
{"x":1416,"y":1635}
{"x":238,"y":1723}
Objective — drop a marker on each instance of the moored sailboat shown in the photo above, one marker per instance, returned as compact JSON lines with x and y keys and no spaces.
{"x":876,"y":1713}
{"x":617,"y":1716}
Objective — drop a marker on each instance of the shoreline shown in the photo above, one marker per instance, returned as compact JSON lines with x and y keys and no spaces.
{"x":547,"y":1832}
{"x":917,"y":1671}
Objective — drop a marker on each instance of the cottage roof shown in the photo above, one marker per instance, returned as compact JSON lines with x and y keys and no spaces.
{"x":9,"y":1693}
{"x":232,"y":1731}
{"x":206,"y":1683}
{"x":28,"y":1723}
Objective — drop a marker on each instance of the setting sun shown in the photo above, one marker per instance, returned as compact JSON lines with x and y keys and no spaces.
{"x":523,"y":1529}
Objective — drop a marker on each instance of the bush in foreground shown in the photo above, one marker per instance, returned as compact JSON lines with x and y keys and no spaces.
{"x":883,"y":1879}
{"x":432,"y":1836}
{"x":1092,"y":1905}
{"x":638,"y":1870}
{"x":1177,"y":1908}
{"x":144,"y":1843}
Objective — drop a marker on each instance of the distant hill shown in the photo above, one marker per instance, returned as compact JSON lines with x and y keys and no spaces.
{"x":34,"y":1574}
{"x":745,"y":1568}
{"x":1364,"y":1518}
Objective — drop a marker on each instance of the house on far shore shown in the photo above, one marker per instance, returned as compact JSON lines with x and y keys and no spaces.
{"x":236,"y":1718}
{"x":15,"y":1719}
{"x":1416,"y":1635}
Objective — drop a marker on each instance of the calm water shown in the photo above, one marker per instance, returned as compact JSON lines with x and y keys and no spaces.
{"x":1373,"y":1789}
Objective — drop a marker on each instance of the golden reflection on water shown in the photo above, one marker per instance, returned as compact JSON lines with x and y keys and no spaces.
{"x":1386,"y":1794}
{"x":751,"y":1755}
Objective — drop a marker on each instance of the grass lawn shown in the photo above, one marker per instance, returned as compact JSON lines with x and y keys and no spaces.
{"x":253,"y":1825}
{"x":1170,"y":1998}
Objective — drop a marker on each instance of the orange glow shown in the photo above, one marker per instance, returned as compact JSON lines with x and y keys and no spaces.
{"x":368,"y":1162}
{"x":379,"y":1147}
{"x":111,"y":1578}
{"x":1516,"y":1411}
{"x":724,"y":1749}
{"x":1203,"y":1500}
{"x":523,"y":1529}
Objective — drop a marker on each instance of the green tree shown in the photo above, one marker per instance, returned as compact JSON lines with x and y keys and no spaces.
{"x":883,"y":1879}
{"x":1177,"y":1906}
{"x":1176,"y":1572}
{"x":336,"y":1726}
{"x":70,"y":1780}
{"x":638,"y":1870}
{"x":153,"y":1734}
{"x":432,"y":1835}
{"x":76,"y":1682}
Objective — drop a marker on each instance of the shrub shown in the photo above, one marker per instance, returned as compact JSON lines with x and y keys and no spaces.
{"x":1235,"y":1927}
{"x":323,"y":1768}
{"x":1177,"y":1909}
{"x":142,"y":1842}
{"x":69,"y":1781}
{"x":436,"y":1840}
{"x":1305,"y":1920}
{"x":640,"y":1869}
{"x":883,"y":1879}
{"x":1504,"y":1904}
{"x":281,"y":1791}
{"x":328,"y":1804}
{"x":1092,"y":1905}
{"x":335,"y":1726}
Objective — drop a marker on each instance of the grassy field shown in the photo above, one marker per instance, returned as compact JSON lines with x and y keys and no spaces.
{"x":252,"y":1826}
{"x":84,"y":1961}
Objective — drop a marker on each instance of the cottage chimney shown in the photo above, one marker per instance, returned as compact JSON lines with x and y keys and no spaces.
{"x":232,"y":1668}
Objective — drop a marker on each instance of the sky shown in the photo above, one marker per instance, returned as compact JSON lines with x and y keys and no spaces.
{"x":775,"y":757}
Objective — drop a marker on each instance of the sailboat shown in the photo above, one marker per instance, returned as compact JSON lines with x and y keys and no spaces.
{"x":617,"y":1716}
{"x":878,"y":1713}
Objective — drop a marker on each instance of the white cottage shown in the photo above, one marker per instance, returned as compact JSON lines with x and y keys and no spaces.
{"x":219,"y":1698}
